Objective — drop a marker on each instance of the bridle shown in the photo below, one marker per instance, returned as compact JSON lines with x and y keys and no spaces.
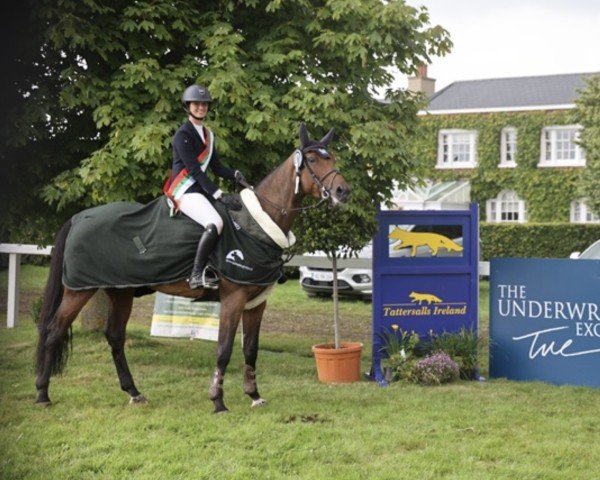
{"x":318,"y":181}
{"x":325,"y":190}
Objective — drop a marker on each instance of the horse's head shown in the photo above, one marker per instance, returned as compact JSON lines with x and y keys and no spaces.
{"x":315,"y":169}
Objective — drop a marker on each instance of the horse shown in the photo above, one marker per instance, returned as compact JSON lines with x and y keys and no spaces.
{"x":308,"y":172}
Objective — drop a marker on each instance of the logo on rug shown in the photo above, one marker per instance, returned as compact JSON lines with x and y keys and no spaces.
{"x":235,"y":257}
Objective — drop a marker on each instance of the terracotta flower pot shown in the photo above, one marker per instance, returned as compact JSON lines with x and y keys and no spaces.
{"x":338,"y":365}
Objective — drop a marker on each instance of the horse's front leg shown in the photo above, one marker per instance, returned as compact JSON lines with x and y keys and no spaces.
{"x":251,"y":322}
{"x":231,"y":312}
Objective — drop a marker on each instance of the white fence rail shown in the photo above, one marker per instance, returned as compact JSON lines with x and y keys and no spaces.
{"x":16,"y":250}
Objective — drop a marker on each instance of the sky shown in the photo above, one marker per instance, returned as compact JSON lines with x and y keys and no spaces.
{"x":514,"y":38}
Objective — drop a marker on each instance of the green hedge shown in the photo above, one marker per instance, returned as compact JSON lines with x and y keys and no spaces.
{"x":541,"y":240}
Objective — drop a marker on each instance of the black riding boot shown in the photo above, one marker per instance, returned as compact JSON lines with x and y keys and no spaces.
{"x":205,"y":246}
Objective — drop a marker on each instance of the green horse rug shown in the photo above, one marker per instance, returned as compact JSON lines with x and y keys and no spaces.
{"x":126,"y":244}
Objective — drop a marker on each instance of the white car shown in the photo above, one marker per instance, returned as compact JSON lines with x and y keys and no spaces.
{"x":358,"y":282}
{"x":590,"y":253}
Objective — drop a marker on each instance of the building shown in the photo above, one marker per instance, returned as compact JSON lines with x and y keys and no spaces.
{"x":509,"y":144}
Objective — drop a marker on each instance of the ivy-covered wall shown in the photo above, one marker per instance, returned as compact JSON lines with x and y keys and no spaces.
{"x":547,"y":192}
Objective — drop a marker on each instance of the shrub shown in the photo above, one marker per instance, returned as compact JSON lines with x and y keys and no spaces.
{"x":434,"y":370}
{"x":464,"y":348}
{"x":399,"y":347}
{"x":531,"y":240}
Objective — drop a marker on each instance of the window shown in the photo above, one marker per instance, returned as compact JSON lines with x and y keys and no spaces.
{"x":508,"y":148}
{"x":559,"y":147}
{"x":457,"y":149}
{"x":506,"y":207}
{"x":580,"y":213}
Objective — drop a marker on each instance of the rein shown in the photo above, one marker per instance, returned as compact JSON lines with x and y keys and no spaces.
{"x":325,"y":191}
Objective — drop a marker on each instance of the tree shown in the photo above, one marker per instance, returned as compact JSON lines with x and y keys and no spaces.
{"x":39,"y":138}
{"x":588,"y":115}
{"x":109,"y":76}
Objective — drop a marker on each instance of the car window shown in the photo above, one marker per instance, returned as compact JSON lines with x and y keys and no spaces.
{"x":592,"y":252}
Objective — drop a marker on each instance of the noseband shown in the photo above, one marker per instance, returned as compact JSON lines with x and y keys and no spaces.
{"x":325,"y":190}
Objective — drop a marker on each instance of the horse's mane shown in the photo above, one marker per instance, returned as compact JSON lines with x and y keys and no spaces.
{"x":272,"y":173}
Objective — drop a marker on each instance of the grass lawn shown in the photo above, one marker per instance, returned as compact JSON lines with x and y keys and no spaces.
{"x":468,"y":430}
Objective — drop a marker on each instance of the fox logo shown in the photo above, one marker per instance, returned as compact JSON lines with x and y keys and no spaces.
{"x":424,"y":297}
{"x":432,"y":240}
{"x":235,"y":256}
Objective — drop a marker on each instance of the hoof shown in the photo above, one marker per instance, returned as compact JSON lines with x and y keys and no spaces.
{"x":43,"y":403}
{"x":259,"y":402}
{"x":221,"y":412}
{"x":138,"y":400}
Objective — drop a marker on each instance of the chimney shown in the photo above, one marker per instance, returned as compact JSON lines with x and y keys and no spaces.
{"x":421,"y":83}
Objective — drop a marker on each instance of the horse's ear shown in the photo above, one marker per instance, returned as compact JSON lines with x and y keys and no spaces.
{"x":327,"y":138}
{"x":303,"y":133}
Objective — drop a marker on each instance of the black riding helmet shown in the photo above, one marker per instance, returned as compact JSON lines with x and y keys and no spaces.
{"x":195,"y":93}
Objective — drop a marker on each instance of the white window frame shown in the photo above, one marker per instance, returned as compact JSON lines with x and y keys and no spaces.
{"x":507,"y":207}
{"x":550,"y":142}
{"x":580,"y":213}
{"x":508,"y":147}
{"x":447,"y":148}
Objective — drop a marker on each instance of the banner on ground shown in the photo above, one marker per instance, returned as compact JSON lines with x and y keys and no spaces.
{"x":181,"y":317}
{"x":545,"y":320}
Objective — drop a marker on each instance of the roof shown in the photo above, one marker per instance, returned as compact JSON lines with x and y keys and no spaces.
{"x":509,"y":94}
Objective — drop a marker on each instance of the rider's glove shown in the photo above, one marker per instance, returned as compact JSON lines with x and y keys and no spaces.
{"x":239,"y":178}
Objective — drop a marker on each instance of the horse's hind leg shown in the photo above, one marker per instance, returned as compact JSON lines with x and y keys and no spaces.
{"x":121,"y":301}
{"x":251,"y":322}
{"x":54,"y":343}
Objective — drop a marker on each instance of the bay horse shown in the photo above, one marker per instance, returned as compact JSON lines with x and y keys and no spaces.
{"x":309,"y":171}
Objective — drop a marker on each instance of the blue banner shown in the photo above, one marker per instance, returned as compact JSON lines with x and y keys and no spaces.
{"x":545,"y":320}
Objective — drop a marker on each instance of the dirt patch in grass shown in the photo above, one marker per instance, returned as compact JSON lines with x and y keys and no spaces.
{"x":315,"y":325}
{"x":280,"y":321}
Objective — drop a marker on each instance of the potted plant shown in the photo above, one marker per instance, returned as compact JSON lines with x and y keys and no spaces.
{"x":341,"y":234}
{"x":337,"y":362}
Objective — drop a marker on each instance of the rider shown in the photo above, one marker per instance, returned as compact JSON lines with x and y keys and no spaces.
{"x":190,"y":187}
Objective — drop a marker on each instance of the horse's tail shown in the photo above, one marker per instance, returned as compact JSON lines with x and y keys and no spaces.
{"x":53,"y":296}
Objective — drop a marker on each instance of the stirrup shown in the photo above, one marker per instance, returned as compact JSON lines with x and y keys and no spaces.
{"x":210,"y":279}
{"x":207,"y":279}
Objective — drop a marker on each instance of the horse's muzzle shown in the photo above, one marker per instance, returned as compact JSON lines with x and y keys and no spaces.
{"x":342,"y":193}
